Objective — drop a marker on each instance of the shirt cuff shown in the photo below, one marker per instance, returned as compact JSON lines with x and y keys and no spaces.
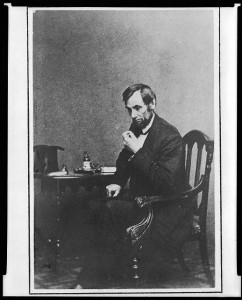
{"x":131,"y":157}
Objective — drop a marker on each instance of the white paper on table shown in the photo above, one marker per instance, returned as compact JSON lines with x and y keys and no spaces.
{"x":108,"y":169}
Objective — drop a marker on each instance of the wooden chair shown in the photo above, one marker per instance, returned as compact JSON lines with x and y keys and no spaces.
{"x":139,"y":233}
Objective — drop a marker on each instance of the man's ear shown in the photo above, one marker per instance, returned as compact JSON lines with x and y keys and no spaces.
{"x":152,"y":104}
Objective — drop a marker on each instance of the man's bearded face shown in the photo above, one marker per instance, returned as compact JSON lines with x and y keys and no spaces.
{"x":140,"y":113}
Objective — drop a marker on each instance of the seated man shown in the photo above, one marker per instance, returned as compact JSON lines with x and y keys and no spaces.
{"x":153,"y":160}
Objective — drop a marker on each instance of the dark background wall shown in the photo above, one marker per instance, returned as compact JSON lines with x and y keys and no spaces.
{"x":83,"y":61}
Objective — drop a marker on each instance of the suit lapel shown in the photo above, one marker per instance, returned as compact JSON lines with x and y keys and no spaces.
{"x":151,"y":138}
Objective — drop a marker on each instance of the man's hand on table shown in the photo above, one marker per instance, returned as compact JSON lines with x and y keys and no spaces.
{"x":113,"y":190}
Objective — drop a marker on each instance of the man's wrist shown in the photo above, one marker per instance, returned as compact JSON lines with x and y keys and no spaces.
{"x":136,"y":149}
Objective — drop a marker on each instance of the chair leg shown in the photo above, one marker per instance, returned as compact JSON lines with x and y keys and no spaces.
{"x":136,"y":260}
{"x":135,"y":268}
{"x":205,"y":261}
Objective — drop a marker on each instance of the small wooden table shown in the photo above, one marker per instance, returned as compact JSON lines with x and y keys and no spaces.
{"x":58,"y":184}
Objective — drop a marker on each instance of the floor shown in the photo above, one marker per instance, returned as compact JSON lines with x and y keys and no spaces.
{"x":79,"y":238}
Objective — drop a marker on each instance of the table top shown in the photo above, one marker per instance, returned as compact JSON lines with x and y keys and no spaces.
{"x":72,"y":175}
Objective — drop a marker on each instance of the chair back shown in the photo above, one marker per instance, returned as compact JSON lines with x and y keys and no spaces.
{"x":203,"y":142}
{"x":46,"y":158}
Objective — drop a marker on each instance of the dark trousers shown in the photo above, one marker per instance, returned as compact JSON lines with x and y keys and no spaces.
{"x":109,"y":257}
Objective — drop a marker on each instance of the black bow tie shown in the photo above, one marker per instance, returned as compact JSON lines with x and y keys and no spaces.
{"x":139,"y":132}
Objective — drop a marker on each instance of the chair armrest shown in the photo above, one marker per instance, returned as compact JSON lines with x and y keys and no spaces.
{"x":191,"y":193}
{"x":140,"y":231}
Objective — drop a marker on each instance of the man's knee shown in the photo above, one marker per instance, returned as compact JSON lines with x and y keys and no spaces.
{"x":120,"y":206}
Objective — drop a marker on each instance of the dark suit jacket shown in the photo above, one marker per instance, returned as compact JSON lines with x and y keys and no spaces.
{"x":157,"y":169}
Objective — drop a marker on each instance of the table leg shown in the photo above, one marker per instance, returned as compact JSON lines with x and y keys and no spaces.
{"x":54,"y":241}
{"x":58,"y":225}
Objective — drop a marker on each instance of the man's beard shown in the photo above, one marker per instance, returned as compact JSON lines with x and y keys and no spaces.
{"x":143,"y":123}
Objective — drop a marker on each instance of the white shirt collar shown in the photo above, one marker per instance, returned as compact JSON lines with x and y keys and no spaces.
{"x":144,"y":130}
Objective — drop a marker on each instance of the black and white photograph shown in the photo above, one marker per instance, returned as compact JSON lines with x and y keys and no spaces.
{"x":124,"y":152}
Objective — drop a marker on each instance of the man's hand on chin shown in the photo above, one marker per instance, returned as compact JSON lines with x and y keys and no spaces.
{"x":131,"y":142}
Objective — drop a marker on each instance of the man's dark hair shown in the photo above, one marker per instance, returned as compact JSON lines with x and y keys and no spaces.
{"x":145,"y":91}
